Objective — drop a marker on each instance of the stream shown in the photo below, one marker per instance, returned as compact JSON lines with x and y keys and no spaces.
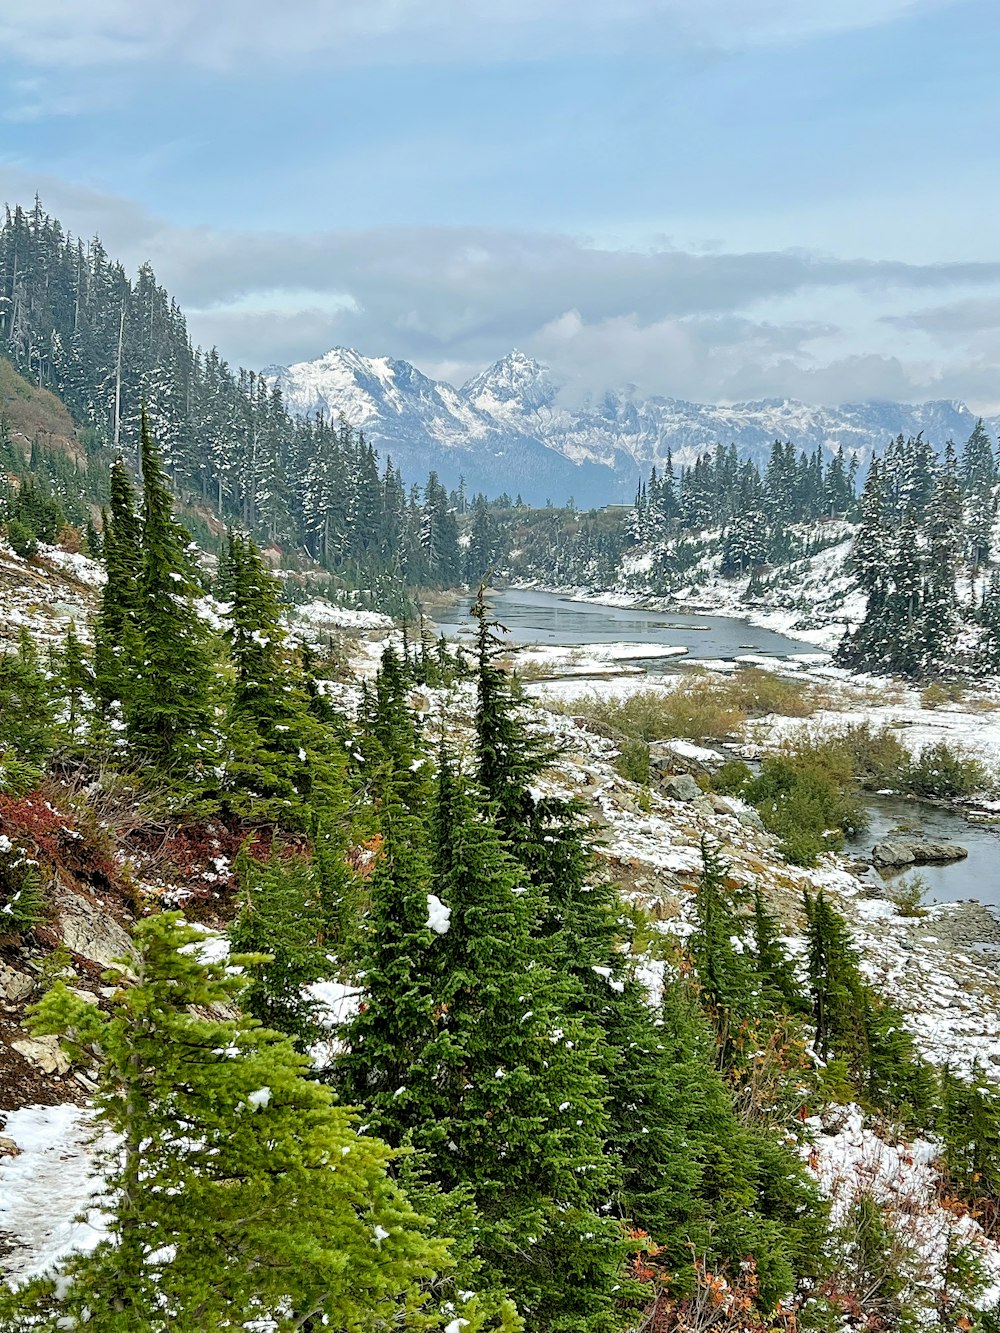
{"x":547,"y":618}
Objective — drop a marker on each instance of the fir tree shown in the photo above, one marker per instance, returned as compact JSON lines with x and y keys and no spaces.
{"x":170,"y":714}
{"x":277,"y":916}
{"x":235,"y":1187}
{"x":279,"y":758}
{"x":117,"y":640}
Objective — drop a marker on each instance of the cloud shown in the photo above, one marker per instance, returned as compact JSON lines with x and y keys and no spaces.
{"x":232,"y":34}
{"x":956,"y":319}
{"x":713,"y":326}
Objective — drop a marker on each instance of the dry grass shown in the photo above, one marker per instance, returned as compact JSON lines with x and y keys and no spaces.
{"x":701,"y":706}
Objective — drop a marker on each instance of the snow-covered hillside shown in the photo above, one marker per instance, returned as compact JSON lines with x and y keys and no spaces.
{"x":515,"y":428}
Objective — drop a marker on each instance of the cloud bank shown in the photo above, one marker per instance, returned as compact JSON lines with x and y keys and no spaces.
{"x":707,"y":326}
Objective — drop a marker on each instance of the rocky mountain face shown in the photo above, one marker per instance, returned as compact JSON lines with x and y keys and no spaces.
{"x":513,"y":428}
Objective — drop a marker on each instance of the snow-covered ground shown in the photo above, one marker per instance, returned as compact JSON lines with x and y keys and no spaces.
{"x":48,"y":1196}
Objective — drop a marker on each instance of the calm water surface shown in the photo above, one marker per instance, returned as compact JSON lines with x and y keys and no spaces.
{"x":545,"y":618}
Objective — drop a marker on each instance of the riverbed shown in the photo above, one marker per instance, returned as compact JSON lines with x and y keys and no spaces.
{"x":553,"y":621}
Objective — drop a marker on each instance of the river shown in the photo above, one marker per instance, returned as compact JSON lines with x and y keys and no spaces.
{"x":547,"y":618}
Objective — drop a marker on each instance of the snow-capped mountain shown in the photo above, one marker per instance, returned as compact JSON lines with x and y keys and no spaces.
{"x":512,"y":428}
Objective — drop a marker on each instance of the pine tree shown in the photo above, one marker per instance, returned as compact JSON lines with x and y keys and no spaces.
{"x":279,"y":758}
{"x":780,"y":987}
{"x":170,"y":715}
{"x":117,"y":639}
{"x":76,"y":678}
{"x":725,"y":973}
{"x":462,"y":1050}
{"x":27,"y":704}
{"x":235,"y":1186}
{"x":277,"y":915}
{"x":945,"y":542}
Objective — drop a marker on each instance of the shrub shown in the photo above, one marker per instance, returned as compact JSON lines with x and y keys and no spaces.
{"x":733,"y":778}
{"x":633,"y":761}
{"x":908,"y":895}
{"x":941,"y":771}
{"x":22,"y":539}
{"x":808,"y":804}
{"x":22,"y":902}
{"x":942,"y":692}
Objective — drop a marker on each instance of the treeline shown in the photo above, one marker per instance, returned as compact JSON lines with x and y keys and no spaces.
{"x":600,"y":1158}
{"x":926,"y":532}
{"x":71,"y":320}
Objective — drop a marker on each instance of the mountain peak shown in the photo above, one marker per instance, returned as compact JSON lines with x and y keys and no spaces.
{"x":516,"y":383}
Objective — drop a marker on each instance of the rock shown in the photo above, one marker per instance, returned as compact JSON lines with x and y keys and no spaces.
{"x":8,"y":1148}
{"x":89,"y":932}
{"x":14,"y":985}
{"x":682,"y":788}
{"x":898,"y":852}
{"x":44,"y":1052}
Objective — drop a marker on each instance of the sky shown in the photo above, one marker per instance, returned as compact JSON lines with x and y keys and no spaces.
{"x":717,"y":200}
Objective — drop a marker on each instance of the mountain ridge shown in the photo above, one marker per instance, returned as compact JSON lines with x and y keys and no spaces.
{"x":511,"y":427}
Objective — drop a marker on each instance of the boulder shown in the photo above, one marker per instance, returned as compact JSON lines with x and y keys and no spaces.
{"x":681,"y":787}
{"x":8,"y":1148}
{"x":898,"y":852}
{"x":14,"y":986}
{"x":45,"y":1052}
{"x":89,"y":932}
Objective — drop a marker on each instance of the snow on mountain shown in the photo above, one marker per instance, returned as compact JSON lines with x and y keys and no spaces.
{"x":512,"y":429}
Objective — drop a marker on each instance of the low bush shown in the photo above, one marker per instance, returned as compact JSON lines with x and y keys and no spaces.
{"x":809,"y":804}
{"x":940,"y":771}
{"x":633,"y":761}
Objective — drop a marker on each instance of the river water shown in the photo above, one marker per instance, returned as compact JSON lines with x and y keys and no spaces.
{"x":546,"y":618}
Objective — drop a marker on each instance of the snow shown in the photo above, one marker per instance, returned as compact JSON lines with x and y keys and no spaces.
{"x":438,"y":915}
{"x":850,"y":1160}
{"x":46,"y":1187}
{"x":322,"y":614}
{"x":260,"y":1098}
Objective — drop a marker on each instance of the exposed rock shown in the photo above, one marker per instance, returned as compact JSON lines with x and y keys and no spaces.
{"x":682,"y":787}
{"x":44,"y":1052}
{"x":89,"y":932}
{"x":898,"y":852}
{"x":8,"y":1148}
{"x":14,"y":986}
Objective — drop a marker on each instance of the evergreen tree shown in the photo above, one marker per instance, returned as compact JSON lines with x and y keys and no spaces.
{"x":279,"y":757}
{"x":277,"y":916}
{"x":945,"y":541}
{"x":462,"y":1050}
{"x":27,"y":704}
{"x":117,"y":639}
{"x":235,"y":1187}
{"x":170,"y":714}
{"x":76,"y":679}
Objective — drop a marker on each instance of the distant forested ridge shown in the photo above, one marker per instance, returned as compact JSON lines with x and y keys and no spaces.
{"x":72,"y":321}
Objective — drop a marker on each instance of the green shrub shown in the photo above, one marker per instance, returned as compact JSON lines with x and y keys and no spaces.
{"x":22,"y":539}
{"x":941,"y":771}
{"x":908,"y":895}
{"x":733,"y":778}
{"x":808,"y":804}
{"x":22,"y":902}
{"x":633,"y":761}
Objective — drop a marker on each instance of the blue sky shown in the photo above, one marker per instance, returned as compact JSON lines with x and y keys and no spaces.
{"x":717,"y":199}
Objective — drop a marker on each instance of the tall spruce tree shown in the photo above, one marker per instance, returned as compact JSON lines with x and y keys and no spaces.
{"x":117,"y":637}
{"x":170,"y":716}
{"x":462,"y":1049}
{"x":280,"y":760}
